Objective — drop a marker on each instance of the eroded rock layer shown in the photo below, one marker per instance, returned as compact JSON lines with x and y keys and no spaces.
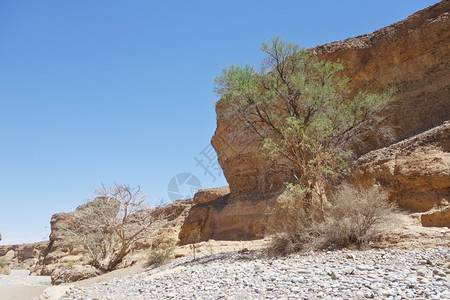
{"x":416,"y":172}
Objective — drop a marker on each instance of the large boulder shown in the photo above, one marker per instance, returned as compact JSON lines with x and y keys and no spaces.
{"x":73,"y":273}
{"x":410,"y":55}
{"x":214,"y":216}
{"x":207,"y":195}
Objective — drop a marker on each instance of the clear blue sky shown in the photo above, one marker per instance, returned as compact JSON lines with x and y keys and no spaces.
{"x":109,"y":91}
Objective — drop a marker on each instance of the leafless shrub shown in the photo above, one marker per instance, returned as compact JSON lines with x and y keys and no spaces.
{"x":353,"y":218}
{"x":357,"y":215}
{"x":109,"y":225}
{"x":291,"y":227}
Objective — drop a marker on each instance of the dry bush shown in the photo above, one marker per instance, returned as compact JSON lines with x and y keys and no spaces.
{"x":353,"y":218}
{"x":4,"y":268}
{"x":356,"y":216}
{"x":110,"y":225}
{"x":291,"y":227}
{"x":162,"y":253}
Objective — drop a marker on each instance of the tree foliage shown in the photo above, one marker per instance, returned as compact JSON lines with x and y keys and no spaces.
{"x":301,"y":110}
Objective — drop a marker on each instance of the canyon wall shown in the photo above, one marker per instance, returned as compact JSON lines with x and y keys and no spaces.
{"x":411,"y":55}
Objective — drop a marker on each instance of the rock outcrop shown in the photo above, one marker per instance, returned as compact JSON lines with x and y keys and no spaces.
{"x":207,"y":195}
{"x":221,"y":218}
{"x":73,"y":273}
{"x":62,"y":253}
{"x":416,"y":172}
{"x":410,"y":55}
{"x":23,"y":256}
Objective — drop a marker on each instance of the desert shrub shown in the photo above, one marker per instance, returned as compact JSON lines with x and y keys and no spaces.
{"x":356,"y":216}
{"x":289,"y":224}
{"x":161,"y":253}
{"x":352,"y":218}
{"x":70,"y":264}
{"x":4,"y":268}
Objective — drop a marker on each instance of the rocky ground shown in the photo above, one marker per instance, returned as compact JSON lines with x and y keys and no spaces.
{"x":22,"y":277}
{"x":378,"y":274}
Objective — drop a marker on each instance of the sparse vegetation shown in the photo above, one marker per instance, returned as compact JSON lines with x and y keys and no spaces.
{"x":109,"y":225}
{"x":70,"y":264}
{"x":4,"y":268}
{"x":162,"y":253}
{"x":354,"y":218}
{"x":195,"y":237}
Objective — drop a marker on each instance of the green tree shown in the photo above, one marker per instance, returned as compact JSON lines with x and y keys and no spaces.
{"x":301,"y":110}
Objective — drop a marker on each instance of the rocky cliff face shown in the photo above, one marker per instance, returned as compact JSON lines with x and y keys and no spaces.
{"x":23,"y":256}
{"x":411,"y":55}
{"x":416,"y":172}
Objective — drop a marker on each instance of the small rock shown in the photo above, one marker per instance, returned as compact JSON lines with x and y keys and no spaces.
{"x":439,"y":273}
{"x":422,"y":272}
{"x":334,"y":275}
{"x":350,"y":256}
{"x":359,"y":294}
{"x":348,"y":271}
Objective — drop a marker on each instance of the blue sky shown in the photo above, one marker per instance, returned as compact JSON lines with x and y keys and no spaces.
{"x":98,"y":92}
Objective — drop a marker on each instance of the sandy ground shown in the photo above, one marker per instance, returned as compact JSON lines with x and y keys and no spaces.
{"x":19,"y":285}
{"x":20,"y":292}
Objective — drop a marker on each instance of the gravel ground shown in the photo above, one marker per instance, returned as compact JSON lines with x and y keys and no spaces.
{"x":374,"y":274}
{"x":22,"y":277}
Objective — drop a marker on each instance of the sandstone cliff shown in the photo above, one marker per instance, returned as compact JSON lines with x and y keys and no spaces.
{"x":416,"y":172}
{"x":411,"y":55}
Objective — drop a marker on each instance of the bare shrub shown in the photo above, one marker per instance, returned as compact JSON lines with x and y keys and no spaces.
{"x":111,"y":224}
{"x":162,"y":253}
{"x":194,"y":238}
{"x":292,"y":228}
{"x":356,"y":216}
{"x":353,"y":217}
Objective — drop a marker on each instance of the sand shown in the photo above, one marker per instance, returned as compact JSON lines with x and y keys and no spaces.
{"x":20,"y":292}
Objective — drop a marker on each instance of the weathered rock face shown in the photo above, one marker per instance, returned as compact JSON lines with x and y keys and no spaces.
{"x":207,"y":195}
{"x":411,"y":55}
{"x":23,"y":256}
{"x":416,"y":172}
{"x":216,"y":217}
